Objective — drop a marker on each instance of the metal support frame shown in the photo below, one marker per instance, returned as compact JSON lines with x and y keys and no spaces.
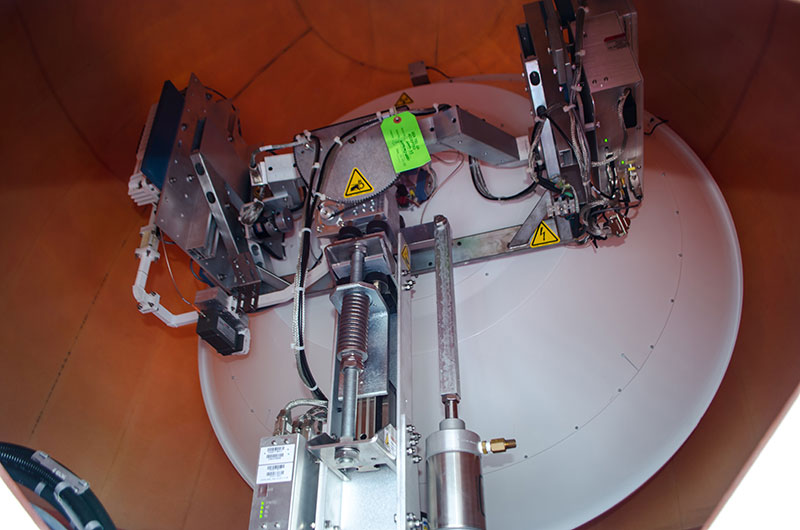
{"x":375,"y":474}
{"x":150,"y":301}
{"x":246,"y":277}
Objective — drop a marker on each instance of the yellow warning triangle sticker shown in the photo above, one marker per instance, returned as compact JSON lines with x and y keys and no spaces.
{"x":406,"y":255}
{"x":544,"y":235}
{"x":403,"y":100}
{"x":357,"y":184}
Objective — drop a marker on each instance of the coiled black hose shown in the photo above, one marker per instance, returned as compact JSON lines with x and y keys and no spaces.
{"x":84,"y":507}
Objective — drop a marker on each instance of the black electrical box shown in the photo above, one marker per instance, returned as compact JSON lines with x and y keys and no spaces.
{"x":220,"y":330}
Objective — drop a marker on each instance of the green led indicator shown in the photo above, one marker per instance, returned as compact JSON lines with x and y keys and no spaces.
{"x":623,"y":162}
{"x":261,"y":511}
{"x":605,"y":140}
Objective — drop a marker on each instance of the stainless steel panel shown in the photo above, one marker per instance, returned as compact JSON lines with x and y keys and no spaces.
{"x":533,"y":76}
{"x":539,"y":28}
{"x":283,"y":180}
{"x":455,"y":485}
{"x":523,"y":237}
{"x":378,"y":255}
{"x":365,"y":150}
{"x":460,"y":130}
{"x":285,"y":496}
{"x":208,"y":132}
{"x":182,"y":211}
{"x":611,"y":69}
{"x":456,"y":491}
{"x":630,"y":20}
{"x":408,"y":500}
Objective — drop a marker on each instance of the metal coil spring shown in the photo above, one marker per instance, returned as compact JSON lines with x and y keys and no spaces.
{"x":352,"y":329}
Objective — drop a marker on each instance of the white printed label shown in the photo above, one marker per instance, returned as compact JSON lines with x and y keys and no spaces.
{"x":226,"y":329}
{"x":390,"y":440}
{"x":271,"y":473}
{"x":273,"y":454}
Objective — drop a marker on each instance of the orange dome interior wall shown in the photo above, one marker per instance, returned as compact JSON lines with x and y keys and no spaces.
{"x":115,"y":395}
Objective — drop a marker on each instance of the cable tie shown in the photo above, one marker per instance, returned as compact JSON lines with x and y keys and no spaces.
{"x":538,"y":119}
{"x":337,"y":140}
{"x":379,"y":116}
{"x":567,"y":108}
{"x":315,"y":165}
{"x":313,"y":389}
{"x":585,"y":9}
{"x":392,"y":111}
{"x":435,"y":107}
{"x":320,"y":196}
{"x":580,"y":53}
{"x":300,"y":289}
{"x":307,"y":134}
{"x":305,"y":229}
{"x":577,"y":87}
{"x":296,"y":348}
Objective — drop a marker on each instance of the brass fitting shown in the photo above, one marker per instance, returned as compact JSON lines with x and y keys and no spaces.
{"x":497,"y":445}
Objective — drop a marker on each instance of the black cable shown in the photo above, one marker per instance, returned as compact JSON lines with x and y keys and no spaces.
{"x":653,"y":129}
{"x":480,"y":184}
{"x":566,"y":138}
{"x":217,"y":92}
{"x":438,"y":71}
{"x":305,"y":248}
{"x":19,"y":463}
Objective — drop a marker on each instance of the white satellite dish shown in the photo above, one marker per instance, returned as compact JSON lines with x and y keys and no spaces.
{"x":599,"y":362}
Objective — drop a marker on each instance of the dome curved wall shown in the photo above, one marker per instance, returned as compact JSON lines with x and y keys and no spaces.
{"x":114,"y":394}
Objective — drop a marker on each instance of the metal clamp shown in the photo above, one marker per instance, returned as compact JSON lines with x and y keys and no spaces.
{"x":77,"y":484}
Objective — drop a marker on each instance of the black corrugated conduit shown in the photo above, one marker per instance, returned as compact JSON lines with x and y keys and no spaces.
{"x":57,"y":485}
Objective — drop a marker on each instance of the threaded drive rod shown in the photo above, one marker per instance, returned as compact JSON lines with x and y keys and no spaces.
{"x":351,"y":343}
{"x":357,"y":263}
{"x":349,"y":408}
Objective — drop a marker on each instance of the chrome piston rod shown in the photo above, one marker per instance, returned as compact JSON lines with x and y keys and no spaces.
{"x":455,"y":493}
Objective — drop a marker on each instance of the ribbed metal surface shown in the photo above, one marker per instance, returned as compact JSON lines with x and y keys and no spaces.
{"x":353,"y":320}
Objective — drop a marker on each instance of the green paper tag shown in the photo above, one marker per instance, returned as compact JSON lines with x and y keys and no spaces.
{"x":405,"y":142}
